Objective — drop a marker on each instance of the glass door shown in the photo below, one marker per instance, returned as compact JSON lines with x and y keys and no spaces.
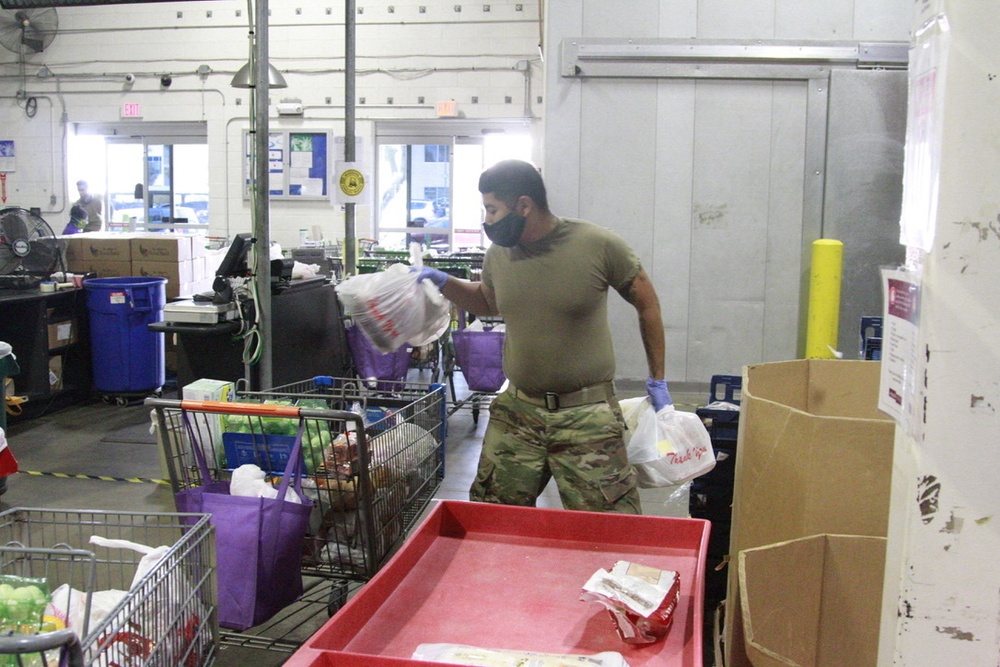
{"x":414,"y":184}
{"x":154,"y":186}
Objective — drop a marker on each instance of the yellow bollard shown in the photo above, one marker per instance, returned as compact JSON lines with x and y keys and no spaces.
{"x":824,"y":299}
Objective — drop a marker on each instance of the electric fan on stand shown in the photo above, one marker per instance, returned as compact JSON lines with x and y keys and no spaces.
{"x":29,"y":251}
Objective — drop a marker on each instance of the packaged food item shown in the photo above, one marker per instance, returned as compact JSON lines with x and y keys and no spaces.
{"x":22,"y":602}
{"x":640,"y":599}
{"x":459,"y":654}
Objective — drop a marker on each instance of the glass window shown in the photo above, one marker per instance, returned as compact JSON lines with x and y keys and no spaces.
{"x":428,"y":191}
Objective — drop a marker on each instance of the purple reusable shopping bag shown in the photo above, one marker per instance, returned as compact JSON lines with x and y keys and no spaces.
{"x":480,"y":356}
{"x":369,"y":363}
{"x":258,"y":541}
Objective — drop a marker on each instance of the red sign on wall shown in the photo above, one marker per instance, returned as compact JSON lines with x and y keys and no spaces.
{"x":131,"y":110}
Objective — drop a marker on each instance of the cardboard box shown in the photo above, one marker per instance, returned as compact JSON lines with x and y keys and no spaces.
{"x":103,"y":269}
{"x":175,"y":272}
{"x":814,"y":601}
{"x":207,"y":389}
{"x":199,"y":246}
{"x":56,"y":373}
{"x":99,"y":246}
{"x":160,"y":247}
{"x":814,"y":455}
{"x":62,"y":333}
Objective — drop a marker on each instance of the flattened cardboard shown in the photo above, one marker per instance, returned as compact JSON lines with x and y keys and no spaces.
{"x":814,"y":601}
{"x":814,"y":456}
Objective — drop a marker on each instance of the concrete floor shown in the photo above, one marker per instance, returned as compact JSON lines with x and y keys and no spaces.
{"x":97,"y":455}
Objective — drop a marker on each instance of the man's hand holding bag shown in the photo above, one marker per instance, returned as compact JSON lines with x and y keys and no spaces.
{"x":667,"y":447}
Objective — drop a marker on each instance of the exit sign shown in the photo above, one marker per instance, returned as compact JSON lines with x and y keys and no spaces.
{"x":447,"y":109}
{"x":131,"y":110}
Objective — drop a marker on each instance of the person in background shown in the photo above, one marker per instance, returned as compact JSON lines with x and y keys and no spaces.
{"x":92,"y":205}
{"x":77,"y":220}
{"x":549,"y":277}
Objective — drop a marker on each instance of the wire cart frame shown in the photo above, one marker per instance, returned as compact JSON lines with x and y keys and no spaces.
{"x":374,"y":458}
{"x":166,"y":619}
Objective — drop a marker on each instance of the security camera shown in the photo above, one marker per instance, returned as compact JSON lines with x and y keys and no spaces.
{"x":166,"y":80}
{"x":130,"y":78}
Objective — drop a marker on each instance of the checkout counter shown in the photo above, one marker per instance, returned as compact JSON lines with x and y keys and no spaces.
{"x":308,"y":336}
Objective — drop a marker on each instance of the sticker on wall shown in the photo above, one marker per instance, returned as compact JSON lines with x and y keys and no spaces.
{"x":7,"y":163}
{"x":351,"y":184}
{"x":900,"y":366}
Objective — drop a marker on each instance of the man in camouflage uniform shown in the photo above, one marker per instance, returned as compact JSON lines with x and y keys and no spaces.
{"x":548,"y":277}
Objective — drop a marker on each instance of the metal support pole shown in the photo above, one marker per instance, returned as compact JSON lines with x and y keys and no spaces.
{"x":262,"y":226}
{"x":350,"y":238}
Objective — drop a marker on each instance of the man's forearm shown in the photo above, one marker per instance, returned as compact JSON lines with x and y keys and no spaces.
{"x":469,"y":296}
{"x":653,"y":342}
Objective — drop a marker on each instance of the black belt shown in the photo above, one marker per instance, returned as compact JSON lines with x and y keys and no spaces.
{"x":597,"y":393}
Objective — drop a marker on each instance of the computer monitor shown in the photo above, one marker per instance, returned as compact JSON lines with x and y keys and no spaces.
{"x":234,"y":264}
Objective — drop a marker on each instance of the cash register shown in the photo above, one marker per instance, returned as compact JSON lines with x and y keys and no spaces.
{"x":219,"y":304}
{"x":307,"y":325}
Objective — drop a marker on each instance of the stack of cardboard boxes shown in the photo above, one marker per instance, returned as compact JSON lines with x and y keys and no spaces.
{"x":180,"y":258}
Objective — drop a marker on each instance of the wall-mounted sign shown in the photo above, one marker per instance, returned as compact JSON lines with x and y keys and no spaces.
{"x":7,"y":155}
{"x":351,"y":183}
{"x":131,"y":110}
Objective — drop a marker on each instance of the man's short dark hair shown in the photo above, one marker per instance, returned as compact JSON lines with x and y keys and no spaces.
{"x":510,"y":179}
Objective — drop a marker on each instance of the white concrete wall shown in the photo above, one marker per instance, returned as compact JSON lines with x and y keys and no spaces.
{"x":409,"y":56}
{"x":940,"y":604}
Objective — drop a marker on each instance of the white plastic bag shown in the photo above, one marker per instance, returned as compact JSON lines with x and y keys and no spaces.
{"x":668,"y":447}
{"x":250,"y":480}
{"x":150,"y":555}
{"x":393,"y":308}
{"x":68,"y":608}
{"x":460,"y":654}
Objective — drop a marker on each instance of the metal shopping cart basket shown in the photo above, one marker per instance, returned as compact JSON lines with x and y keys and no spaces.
{"x":165,"y":619}
{"x":374,"y":458}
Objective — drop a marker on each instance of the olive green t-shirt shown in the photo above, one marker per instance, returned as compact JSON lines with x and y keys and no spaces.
{"x":553,"y":297}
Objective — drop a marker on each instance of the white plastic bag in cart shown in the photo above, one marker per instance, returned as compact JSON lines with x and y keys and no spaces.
{"x":393,"y":308}
{"x":151,"y":555}
{"x":135,"y":638}
{"x":68,"y":608}
{"x":668,"y":447}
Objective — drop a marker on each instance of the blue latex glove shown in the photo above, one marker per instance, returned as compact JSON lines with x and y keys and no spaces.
{"x":438,"y":278}
{"x":658,"y":394}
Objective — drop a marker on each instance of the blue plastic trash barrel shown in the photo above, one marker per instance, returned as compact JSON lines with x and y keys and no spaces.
{"x":127,"y":357}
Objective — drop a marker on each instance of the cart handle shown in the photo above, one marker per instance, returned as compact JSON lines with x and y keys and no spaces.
{"x":62,"y":639}
{"x":235,"y":407}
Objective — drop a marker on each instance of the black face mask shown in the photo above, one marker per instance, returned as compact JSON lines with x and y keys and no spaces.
{"x":507,"y":230}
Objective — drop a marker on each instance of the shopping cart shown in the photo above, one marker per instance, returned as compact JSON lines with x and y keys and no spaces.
{"x":166,"y":619}
{"x":374,"y":457}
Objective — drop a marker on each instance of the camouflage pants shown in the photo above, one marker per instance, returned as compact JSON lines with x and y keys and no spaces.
{"x":582,"y":448}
